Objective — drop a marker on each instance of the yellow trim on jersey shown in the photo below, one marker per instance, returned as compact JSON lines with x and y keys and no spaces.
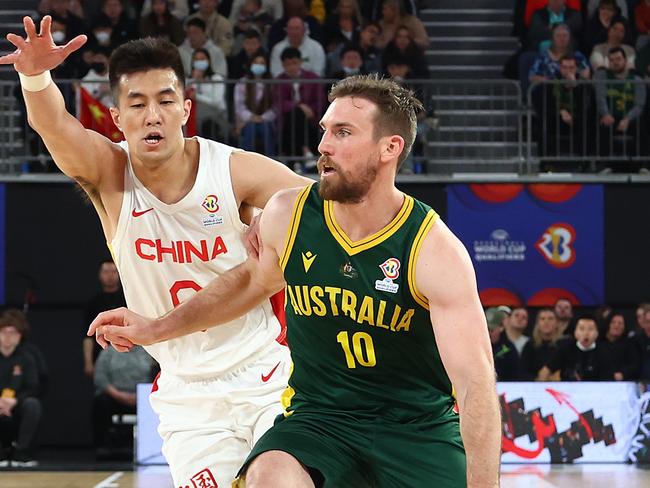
{"x":287,"y":395}
{"x":110,"y":249}
{"x":352,"y":247}
{"x":293,"y":227}
{"x":426,"y":225}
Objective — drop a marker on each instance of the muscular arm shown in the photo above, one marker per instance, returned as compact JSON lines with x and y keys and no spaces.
{"x":67,"y":140}
{"x":256,"y":178}
{"x":227,"y":297}
{"x":444,"y":275}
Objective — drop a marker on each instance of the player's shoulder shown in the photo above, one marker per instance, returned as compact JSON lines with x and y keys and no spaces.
{"x":285,"y":201}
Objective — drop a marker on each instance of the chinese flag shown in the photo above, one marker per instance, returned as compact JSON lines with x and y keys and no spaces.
{"x":95,"y":115}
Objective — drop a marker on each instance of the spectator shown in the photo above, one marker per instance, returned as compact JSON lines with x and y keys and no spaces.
{"x":515,"y":327}
{"x":73,"y":66}
{"x":640,"y":318}
{"x":563,"y":111}
{"x":506,"y":360}
{"x":254,"y":108}
{"x":209,"y":94}
{"x":110,"y":296}
{"x":197,"y":38}
{"x":160,"y":22}
{"x":18,"y":318}
{"x":615,"y":34}
{"x":598,"y":23}
{"x":642,"y":19}
{"x":556,"y":12}
{"x":642,"y":342}
{"x":392,"y":17}
{"x":251,"y":46}
{"x":547,"y":63}
{"x":19,"y":405}
{"x":563,"y":309}
{"x":370,"y":53}
{"x":298,"y":106}
{"x":404,"y":48}
{"x":592,"y":6}
{"x":113,"y":27}
{"x":619,"y":105}
{"x":342,"y":26}
{"x":178,"y":8}
{"x":312,"y":53}
{"x":272,"y":8}
{"x":116,"y":378}
{"x":294,"y":8}
{"x":538,"y":351}
{"x":371,"y":9}
{"x":96,"y":80}
{"x":351,"y":62}
{"x":582,"y":359}
{"x":624,"y":353}
{"x":251,"y":17}
{"x":217,"y":27}
{"x":61,"y":8}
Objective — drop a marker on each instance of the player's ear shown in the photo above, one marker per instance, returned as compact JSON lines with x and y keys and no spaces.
{"x":187,"y":108}
{"x":115,"y":115}
{"x":391,"y":147}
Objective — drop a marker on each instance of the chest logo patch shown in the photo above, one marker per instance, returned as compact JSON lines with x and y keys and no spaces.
{"x":308,"y":259}
{"x":390,"y":268}
{"x":211,"y":205}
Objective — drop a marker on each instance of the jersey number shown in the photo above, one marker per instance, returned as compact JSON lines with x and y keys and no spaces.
{"x":364,"y":349}
{"x":182,"y":285}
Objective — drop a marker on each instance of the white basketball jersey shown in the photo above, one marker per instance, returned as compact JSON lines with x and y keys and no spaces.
{"x":165,"y":253}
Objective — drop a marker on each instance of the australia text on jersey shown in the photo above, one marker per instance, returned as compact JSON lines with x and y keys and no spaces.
{"x":329,"y":300}
{"x":179,"y":251}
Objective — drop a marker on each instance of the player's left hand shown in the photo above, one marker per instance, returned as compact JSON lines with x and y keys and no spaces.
{"x":122,"y":329}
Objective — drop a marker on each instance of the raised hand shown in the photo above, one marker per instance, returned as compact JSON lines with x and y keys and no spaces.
{"x":37,"y":52}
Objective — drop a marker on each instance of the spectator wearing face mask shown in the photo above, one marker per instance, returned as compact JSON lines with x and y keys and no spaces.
{"x":351,"y":62}
{"x":96,"y":80}
{"x":113,"y":27}
{"x":209,"y":96}
{"x":197,"y":37}
{"x":254,"y":108}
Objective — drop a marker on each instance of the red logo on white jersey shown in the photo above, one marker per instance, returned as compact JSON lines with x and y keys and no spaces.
{"x":136,"y":213}
{"x":204,"y":479}
{"x":211,"y":203}
{"x":179,"y":251}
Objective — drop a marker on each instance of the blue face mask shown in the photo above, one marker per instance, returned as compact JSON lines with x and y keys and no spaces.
{"x":350,"y":71}
{"x":258,"y":69}
{"x":201,"y":64}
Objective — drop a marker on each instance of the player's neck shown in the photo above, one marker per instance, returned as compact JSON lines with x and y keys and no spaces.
{"x":377,"y":209}
{"x":172,"y":179}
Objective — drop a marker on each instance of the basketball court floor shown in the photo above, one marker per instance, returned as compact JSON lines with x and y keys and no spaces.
{"x":513,"y":476}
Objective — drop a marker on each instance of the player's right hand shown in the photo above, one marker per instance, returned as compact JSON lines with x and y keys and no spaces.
{"x":37,"y":52}
{"x":122,"y":329}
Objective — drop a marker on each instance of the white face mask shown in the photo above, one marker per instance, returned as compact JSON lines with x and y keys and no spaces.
{"x":350,"y":71}
{"x":58,"y":36}
{"x":103,"y":37}
{"x":201,"y":64}
{"x":258,"y":69}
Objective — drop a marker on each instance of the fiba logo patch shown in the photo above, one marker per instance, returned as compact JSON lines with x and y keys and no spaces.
{"x":390,"y":268}
{"x":556,"y":245}
{"x":211,"y":203}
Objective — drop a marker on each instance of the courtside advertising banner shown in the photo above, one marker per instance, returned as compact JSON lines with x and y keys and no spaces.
{"x":568,"y":422}
{"x":532,"y":244}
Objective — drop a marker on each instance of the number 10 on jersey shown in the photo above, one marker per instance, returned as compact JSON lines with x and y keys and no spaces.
{"x":362,"y":350}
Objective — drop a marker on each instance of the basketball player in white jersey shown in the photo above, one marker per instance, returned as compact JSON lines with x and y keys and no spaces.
{"x":170,"y":209}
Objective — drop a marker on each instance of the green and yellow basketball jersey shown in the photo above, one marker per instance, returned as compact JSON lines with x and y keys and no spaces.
{"x":359,"y":331}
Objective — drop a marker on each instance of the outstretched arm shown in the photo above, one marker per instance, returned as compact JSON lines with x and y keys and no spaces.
{"x":445,"y":276}
{"x":67,"y":140}
{"x":227,"y":297}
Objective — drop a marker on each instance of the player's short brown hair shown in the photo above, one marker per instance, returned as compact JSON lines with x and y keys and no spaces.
{"x":397,"y":106}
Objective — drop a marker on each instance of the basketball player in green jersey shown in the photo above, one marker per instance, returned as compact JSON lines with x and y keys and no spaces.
{"x":385,"y":326}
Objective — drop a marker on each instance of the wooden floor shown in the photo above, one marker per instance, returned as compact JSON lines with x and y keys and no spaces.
{"x":513,"y":476}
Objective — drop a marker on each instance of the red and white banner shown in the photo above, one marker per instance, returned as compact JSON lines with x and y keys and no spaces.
{"x":568,"y":422}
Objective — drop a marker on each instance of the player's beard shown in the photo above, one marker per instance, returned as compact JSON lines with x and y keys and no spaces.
{"x":340,"y":188}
